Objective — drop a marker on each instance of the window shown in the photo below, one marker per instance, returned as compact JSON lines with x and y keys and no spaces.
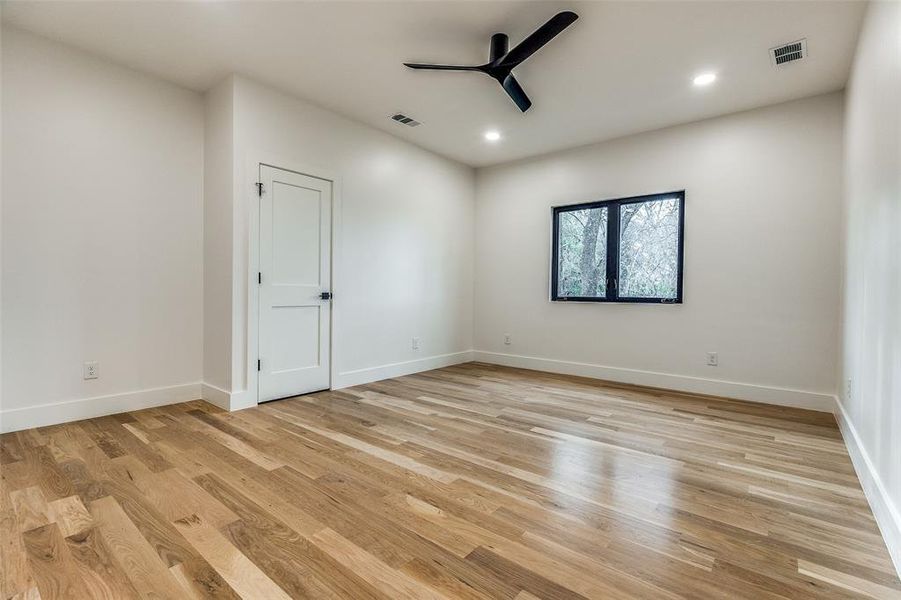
{"x":625,"y":250}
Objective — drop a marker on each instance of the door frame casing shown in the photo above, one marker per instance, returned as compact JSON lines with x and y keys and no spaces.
{"x":251,"y":394}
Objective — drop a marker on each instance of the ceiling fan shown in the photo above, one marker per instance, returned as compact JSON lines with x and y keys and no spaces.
{"x":502,"y":62}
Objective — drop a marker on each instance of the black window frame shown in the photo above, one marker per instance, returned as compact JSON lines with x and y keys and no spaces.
{"x":613,"y":249}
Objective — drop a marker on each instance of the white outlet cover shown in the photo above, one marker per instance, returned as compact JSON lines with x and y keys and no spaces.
{"x":91,"y":370}
{"x":712,"y":359}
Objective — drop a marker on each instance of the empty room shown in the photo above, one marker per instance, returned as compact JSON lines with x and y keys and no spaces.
{"x":514,"y":300}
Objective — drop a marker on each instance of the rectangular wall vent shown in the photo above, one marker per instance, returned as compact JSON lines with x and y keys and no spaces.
{"x":405,"y":120}
{"x":787,"y":53}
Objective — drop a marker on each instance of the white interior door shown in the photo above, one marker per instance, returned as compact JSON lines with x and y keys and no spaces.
{"x":295,"y":284}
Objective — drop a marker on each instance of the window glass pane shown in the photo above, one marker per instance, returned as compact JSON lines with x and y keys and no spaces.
{"x":582,"y":253}
{"x":649,"y":249}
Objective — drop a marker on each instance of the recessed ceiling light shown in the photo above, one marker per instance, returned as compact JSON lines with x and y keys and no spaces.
{"x":705,"y":79}
{"x":492,"y":136}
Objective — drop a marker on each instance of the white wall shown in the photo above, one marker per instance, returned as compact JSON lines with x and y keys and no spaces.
{"x":870,"y":369}
{"x":403,"y":238}
{"x":1,"y":225}
{"x":762,"y":212}
{"x":101,"y":235}
{"x":218,"y":235}
{"x":123,"y":243}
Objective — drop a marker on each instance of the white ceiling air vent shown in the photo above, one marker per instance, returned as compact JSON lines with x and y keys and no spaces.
{"x":787,"y":53}
{"x":405,"y":120}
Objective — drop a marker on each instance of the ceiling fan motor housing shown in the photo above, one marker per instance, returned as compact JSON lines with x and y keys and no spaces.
{"x":499,"y":43}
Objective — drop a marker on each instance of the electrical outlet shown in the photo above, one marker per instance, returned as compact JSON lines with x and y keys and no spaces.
{"x":415,"y":343}
{"x":712,"y":359}
{"x":507,"y":339}
{"x":848,"y":390}
{"x":91,"y":370}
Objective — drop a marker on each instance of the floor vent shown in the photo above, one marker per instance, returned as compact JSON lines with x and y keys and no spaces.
{"x":787,"y":53}
{"x":405,"y":120}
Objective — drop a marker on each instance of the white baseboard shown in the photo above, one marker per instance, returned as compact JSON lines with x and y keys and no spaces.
{"x":241,"y":400}
{"x":368,"y":375}
{"x":887,"y":514}
{"x":215,"y":395}
{"x":681,"y":383}
{"x":54,"y":413}
{"x":230,"y":401}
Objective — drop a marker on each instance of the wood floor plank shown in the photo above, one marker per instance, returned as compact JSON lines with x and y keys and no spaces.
{"x":236,"y":445}
{"x":848,"y":581}
{"x":168,"y":544}
{"x":238,"y":570}
{"x":184,"y":580}
{"x":32,"y":510}
{"x":31,"y":593}
{"x":71,"y":515}
{"x":52,"y":481}
{"x":54,"y":569}
{"x":15,"y":574}
{"x":132,"y":552}
{"x":177,"y":497}
{"x":472,"y":481}
{"x":284,"y":554}
{"x":104,"y":577}
{"x":394,"y":583}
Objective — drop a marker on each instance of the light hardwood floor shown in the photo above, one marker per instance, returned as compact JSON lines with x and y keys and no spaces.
{"x":470,"y":482}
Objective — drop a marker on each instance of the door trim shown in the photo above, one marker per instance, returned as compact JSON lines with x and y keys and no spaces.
{"x":251,"y":172}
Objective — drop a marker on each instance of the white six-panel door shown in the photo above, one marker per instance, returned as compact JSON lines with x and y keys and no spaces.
{"x":295,"y":270}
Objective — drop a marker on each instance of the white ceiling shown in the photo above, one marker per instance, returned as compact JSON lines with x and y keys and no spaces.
{"x":623,"y":67}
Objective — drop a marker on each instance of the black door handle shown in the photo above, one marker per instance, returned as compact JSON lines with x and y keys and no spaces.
{"x":326,"y":295}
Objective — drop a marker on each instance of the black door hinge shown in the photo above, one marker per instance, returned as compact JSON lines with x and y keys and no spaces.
{"x":259,"y":277}
{"x":259,"y":185}
{"x":259,"y":364}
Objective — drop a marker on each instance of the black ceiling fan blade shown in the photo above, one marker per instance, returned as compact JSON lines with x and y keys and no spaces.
{"x":442,"y":67}
{"x":539,"y":38}
{"x":516,"y":93}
